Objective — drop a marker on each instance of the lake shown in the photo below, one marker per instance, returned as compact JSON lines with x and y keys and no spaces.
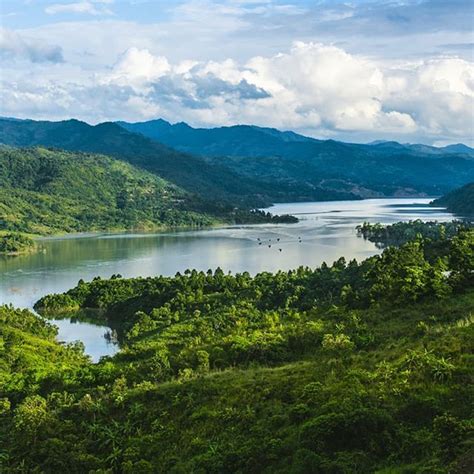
{"x":325,"y":232}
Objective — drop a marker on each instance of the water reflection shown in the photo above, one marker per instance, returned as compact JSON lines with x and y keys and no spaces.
{"x":99,"y":340}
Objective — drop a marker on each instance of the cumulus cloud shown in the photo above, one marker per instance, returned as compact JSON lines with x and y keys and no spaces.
{"x":313,"y":88}
{"x":14,"y":45}
{"x":137,"y":66}
{"x":92,"y":7}
{"x":438,"y":94}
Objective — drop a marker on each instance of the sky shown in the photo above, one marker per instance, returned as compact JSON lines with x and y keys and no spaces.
{"x":356,"y":71}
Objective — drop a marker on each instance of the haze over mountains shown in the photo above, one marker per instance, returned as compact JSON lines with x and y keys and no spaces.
{"x":253,"y":166}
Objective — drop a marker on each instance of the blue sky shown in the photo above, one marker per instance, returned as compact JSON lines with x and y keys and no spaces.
{"x":356,"y":70}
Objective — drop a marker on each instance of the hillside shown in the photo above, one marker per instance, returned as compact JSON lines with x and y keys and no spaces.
{"x":212,"y":181}
{"x":460,"y":201}
{"x":380,"y":169}
{"x":351,"y":368}
{"x":47,"y":191}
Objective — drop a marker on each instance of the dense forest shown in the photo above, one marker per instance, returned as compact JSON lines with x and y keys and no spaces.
{"x":47,"y":191}
{"x":460,"y":201}
{"x":350,"y":367}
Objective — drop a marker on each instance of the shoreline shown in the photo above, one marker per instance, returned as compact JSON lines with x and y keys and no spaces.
{"x":217,"y":225}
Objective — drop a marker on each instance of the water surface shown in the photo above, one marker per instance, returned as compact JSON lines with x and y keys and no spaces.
{"x":325,"y":232}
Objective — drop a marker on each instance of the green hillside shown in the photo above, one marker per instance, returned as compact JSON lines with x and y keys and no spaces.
{"x":47,"y":191}
{"x":460,"y":201}
{"x":349,"y":368}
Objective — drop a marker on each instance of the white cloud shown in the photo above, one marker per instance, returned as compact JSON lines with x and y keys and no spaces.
{"x":313,"y":88}
{"x":90,"y":7}
{"x":438,"y":94}
{"x":14,"y":45}
{"x":137,"y":66}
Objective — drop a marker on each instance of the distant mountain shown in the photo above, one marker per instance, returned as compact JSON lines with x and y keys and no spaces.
{"x":238,"y":140}
{"x":250,"y":166}
{"x":460,"y":201}
{"x":377,"y":169}
{"x":459,"y":148}
{"x":213,"y":181}
{"x":49,"y":191}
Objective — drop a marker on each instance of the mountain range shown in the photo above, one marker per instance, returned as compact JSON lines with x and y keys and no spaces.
{"x":377,"y":169}
{"x":249,"y":166}
{"x":250,"y":140}
{"x":212,"y":181}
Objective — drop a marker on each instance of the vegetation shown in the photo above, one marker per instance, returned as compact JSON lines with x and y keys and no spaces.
{"x":402,"y":232}
{"x":353,"y":367}
{"x":49,"y":191}
{"x":460,"y":201}
{"x":16,"y":244}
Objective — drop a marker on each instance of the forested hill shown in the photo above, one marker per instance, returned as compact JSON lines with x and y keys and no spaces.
{"x":47,"y":191}
{"x":382,"y":168}
{"x":349,"y":368}
{"x":460,"y":201}
{"x":212,"y":181}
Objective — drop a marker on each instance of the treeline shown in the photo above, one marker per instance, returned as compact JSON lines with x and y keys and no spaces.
{"x":418,"y":270}
{"x":352,"y":367}
{"x":257,"y":216}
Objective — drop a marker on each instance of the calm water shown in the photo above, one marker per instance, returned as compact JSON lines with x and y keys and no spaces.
{"x":325,"y":232}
